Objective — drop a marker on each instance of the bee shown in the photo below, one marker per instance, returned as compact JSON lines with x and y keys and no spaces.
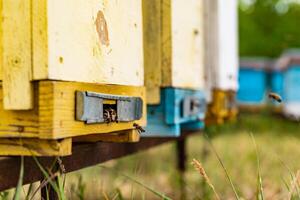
{"x":275,"y":97}
{"x":110,"y":115}
{"x":139,"y":128}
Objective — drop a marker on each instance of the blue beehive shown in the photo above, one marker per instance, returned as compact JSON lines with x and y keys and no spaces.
{"x":179,"y":110}
{"x":286,"y":82}
{"x":253,"y":82}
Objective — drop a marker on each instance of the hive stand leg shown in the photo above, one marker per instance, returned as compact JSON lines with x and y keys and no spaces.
{"x":181,"y":165}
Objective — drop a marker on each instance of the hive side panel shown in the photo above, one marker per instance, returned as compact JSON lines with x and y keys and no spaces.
{"x":227,"y":45}
{"x":96,"y":41}
{"x":211,"y":45}
{"x":152,"y":49}
{"x":17,"y":65}
{"x":188,"y":44}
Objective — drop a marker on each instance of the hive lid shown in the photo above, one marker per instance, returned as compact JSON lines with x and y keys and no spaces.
{"x":288,"y":58}
{"x":262,"y":63}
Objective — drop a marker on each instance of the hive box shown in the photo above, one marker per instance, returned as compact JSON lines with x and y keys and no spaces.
{"x":174,"y":60}
{"x":54,"y":50}
{"x":286,"y":82}
{"x":92,"y":41}
{"x":253,"y":82}
{"x":221,"y":58}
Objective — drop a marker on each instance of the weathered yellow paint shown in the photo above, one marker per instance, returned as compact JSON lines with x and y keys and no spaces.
{"x":122,"y":136}
{"x":166,"y":43}
{"x":40,"y":43}
{"x":14,"y":124}
{"x":223,"y":107}
{"x":35,"y":147}
{"x":16,"y":54}
{"x":54,"y":115}
{"x":152,"y":49}
{"x":96,"y":41}
{"x":177,"y":33}
{"x":1,"y":61}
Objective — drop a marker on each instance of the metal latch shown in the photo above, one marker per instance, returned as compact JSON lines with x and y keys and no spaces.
{"x":92,"y":107}
{"x":193,"y":106}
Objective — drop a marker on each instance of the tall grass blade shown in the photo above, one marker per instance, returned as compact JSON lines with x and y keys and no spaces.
{"x":44,"y":184}
{"x":47,"y":194}
{"x":45,"y":174}
{"x":293,"y":177}
{"x":286,"y":184}
{"x":158,"y":194}
{"x":4,"y":195}
{"x":105,"y":195}
{"x":80,"y":189}
{"x":17,"y":194}
{"x":223,"y":166}
{"x":260,"y":191}
{"x":61,"y":188}
{"x":294,"y":184}
{"x":202,"y":172}
{"x":29,"y":191}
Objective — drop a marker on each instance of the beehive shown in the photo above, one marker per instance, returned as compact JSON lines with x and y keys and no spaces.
{"x":174,"y":45}
{"x":253,"y":82}
{"x":286,"y":81}
{"x":174,"y":63}
{"x":221,"y":58}
{"x":54,"y":51}
{"x":93,"y":41}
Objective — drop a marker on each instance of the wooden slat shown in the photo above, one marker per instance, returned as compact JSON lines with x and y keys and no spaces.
{"x":16,"y":54}
{"x":122,"y":136}
{"x":40,"y":43}
{"x":167,"y":45}
{"x":96,"y":41}
{"x":57,"y":109}
{"x":152,"y":49}
{"x":35,"y":147}
{"x":1,"y":53}
{"x":15,"y":124}
{"x":187,"y":18}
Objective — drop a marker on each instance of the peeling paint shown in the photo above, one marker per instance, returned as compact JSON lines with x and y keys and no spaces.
{"x":102,"y":29}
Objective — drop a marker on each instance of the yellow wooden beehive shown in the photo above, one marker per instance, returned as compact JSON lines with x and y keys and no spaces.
{"x":174,"y":45}
{"x":52,"y":49}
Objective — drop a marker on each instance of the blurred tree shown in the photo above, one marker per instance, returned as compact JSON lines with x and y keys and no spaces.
{"x":268,"y":27}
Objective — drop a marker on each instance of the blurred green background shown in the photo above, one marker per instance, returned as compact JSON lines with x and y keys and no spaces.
{"x":267,"y":27}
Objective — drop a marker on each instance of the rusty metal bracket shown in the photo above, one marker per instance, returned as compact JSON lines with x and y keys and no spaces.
{"x":91,"y":107}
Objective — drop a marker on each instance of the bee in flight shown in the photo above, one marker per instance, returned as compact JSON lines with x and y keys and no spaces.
{"x":275,"y":97}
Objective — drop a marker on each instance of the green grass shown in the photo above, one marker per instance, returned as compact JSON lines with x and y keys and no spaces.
{"x":273,"y":164}
{"x":277,"y":140}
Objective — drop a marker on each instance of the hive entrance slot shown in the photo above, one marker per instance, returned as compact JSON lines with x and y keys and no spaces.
{"x":110,"y":111}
